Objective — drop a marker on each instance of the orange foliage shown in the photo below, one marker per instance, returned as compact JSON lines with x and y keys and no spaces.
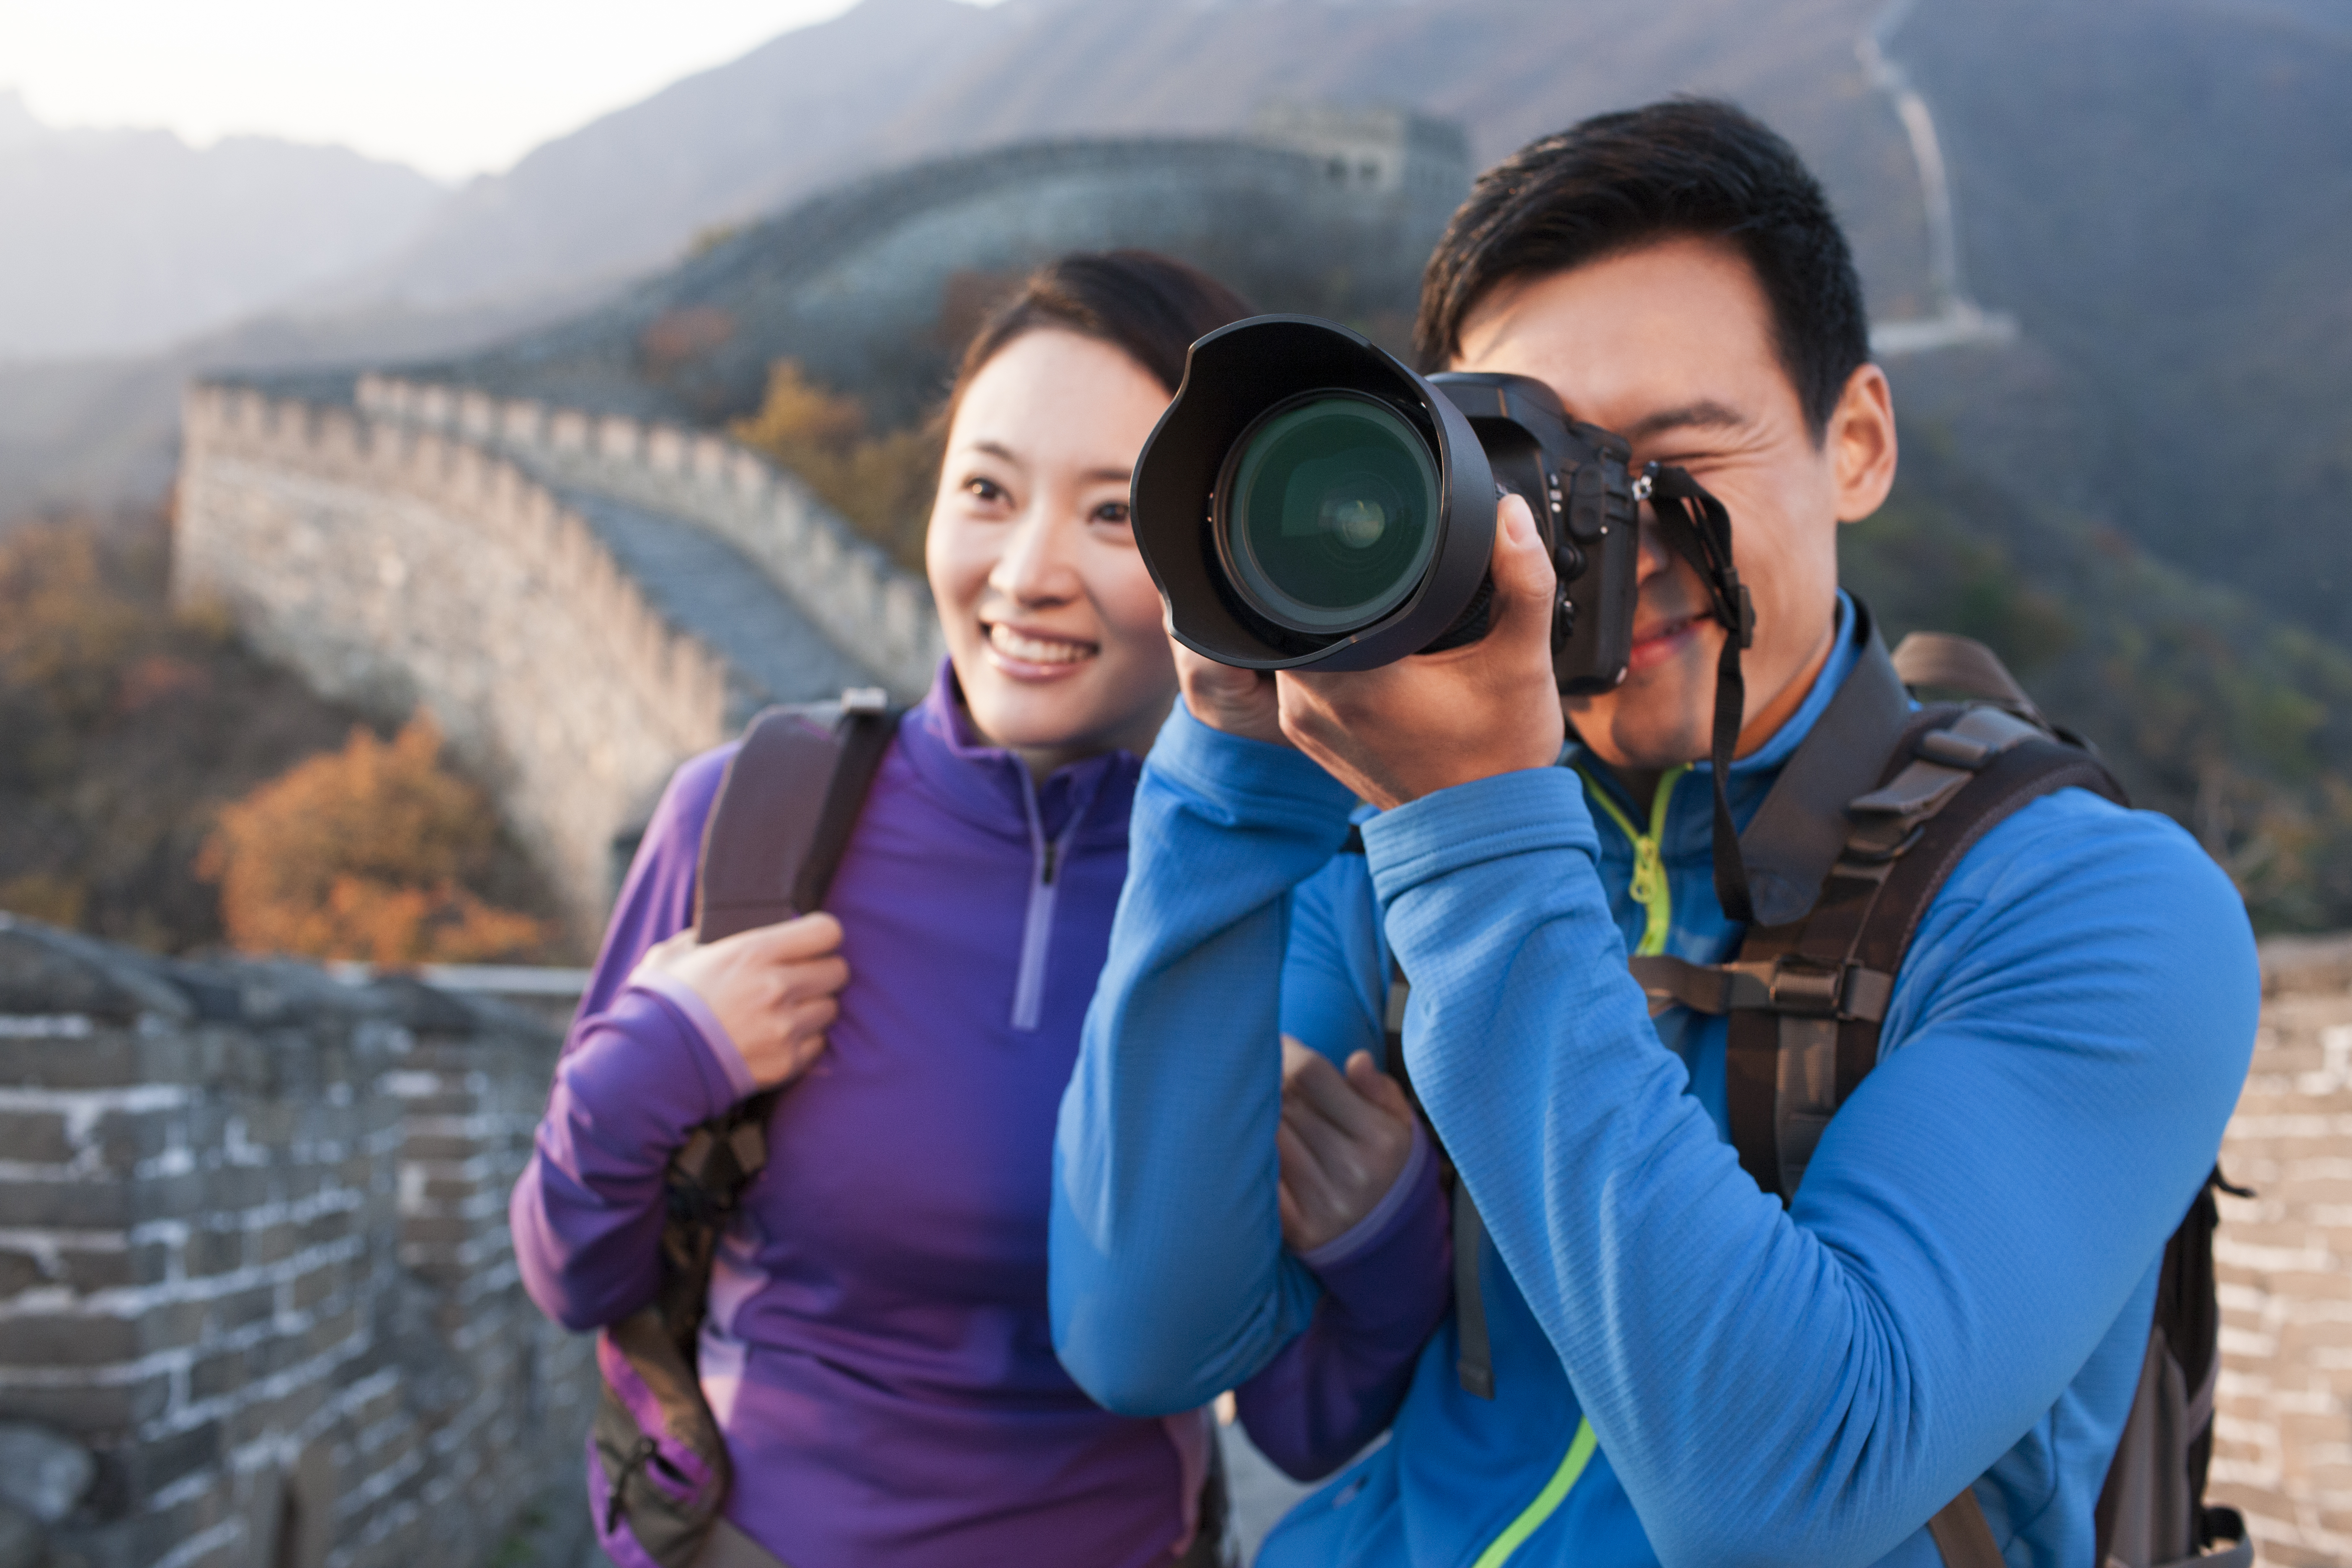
{"x":883,"y":485}
{"x":364,"y":853}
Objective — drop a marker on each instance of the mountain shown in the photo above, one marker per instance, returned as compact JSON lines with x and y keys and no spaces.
{"x":2159,"y":194}
{"x":894,"y":80}
{"x":119,"y":241}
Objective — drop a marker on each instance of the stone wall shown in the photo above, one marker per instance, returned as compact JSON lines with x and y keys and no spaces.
{"x":254,"y":1258}
{"x":582,"y":605}
{"x":2283,"y":1423}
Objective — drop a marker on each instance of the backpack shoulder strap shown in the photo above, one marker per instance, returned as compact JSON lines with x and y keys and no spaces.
{"x":1807,"y":1031}
{"x":786,"y":807}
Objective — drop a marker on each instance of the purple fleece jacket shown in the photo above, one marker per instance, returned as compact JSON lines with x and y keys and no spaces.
{"x":878,"y":1351}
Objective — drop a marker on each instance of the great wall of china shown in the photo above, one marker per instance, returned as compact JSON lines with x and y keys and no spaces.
{"x":254,"y":1269}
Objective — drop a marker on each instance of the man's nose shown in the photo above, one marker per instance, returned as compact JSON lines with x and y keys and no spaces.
{"x":1037,"y":567}
{"x":1652,"y":557}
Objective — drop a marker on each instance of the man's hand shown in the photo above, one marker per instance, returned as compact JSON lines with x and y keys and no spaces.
{"x":772,"y":989}
{"x":1433,"y":720}
{"x":1343,"y":1140}
{"x":1238,"y":702}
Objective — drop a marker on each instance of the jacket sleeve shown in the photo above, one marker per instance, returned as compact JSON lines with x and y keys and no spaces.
{"x":1386,"y":1284}
{"x":637,"y":1070}
{"x":1337,"y":1384}
{"x":1168,"y":1283}
{"x":1808,"y":1385}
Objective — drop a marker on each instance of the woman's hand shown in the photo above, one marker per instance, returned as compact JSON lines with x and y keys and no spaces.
{"x":1344,"y":1140}
{"x":771,"y":988}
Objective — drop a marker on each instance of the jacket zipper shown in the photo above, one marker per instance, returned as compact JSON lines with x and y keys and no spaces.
{"x":1037,"y":923}
{"x":1649,"y":887}
{"x":1651,"y":891}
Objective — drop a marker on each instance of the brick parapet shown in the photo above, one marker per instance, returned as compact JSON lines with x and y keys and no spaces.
{"x":254,"y":1257}
{"x":2282,"y":1416}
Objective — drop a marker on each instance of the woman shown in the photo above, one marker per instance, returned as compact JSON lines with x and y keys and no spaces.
{"x":876,"y":1351}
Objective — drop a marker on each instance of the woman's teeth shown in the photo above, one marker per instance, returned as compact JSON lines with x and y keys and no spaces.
{"x":1037,"y":651}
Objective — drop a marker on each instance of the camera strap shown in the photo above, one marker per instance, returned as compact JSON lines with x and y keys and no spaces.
{"x":1696,"y":526}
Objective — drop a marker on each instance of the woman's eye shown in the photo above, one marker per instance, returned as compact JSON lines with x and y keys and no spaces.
{"x":1114,"y":513}
{"x":983,"y":489}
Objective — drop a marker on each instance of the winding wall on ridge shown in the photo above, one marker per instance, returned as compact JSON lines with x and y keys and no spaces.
{"x":581,"y":602}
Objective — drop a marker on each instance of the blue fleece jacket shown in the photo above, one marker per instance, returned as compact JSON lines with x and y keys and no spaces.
{"x":1960,"y":1295}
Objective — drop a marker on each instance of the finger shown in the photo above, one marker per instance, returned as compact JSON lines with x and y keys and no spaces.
{"x":786,"y":942}
{"x":1336,"y":1100}
{"x":1301,"y":1171}
{"x":809,"y":978}
{"x":1524,"y":578}
{"x":1381,"y":1091}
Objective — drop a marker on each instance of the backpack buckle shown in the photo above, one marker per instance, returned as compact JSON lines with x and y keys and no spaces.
{"x":1846,"y":993}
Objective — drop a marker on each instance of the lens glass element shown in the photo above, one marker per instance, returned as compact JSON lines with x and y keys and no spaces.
{"x":1331,"y":517}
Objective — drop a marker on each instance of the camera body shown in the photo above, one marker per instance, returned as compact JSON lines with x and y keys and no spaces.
{"x":1309,"y":501}
{"x":1575,"y":479}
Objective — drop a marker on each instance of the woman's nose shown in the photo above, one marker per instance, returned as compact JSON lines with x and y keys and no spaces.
{"x":1037,"y":567}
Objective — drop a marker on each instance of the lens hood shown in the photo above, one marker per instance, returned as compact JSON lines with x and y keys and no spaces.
{"x":1186,"y":512}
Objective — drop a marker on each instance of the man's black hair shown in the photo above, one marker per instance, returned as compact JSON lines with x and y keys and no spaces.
{"x":1617,"y":182}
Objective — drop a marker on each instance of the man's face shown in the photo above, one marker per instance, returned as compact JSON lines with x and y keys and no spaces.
{"x":1671,"y":346}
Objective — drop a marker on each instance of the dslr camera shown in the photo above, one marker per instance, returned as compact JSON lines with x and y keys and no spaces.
{"x":1307,"y":499}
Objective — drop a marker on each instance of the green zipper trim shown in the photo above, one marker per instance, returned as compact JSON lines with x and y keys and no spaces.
{"x":1548,"y":1502}
{"x":1649,"y":887}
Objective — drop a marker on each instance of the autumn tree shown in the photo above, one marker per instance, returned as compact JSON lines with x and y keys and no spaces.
{"x":373,"y":852}
{"x":882,"y":484}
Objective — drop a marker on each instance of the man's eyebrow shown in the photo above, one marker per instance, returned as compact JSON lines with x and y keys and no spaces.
{"x":1704,"y":414}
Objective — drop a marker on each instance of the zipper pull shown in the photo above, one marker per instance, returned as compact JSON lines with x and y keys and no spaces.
{"x":1648,"y":868}
{"x":1053,"y":853}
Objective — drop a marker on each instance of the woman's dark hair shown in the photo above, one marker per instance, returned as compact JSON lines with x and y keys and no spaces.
{"x":1617,"y":182}
{"x":1149,"y":306}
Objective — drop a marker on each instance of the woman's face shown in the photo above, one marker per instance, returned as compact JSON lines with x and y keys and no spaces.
{"x":1052,"y":621}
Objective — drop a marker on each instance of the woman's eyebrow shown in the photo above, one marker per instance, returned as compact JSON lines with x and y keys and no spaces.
{"x":1109,"y":476}
{"x":1704,"y":414}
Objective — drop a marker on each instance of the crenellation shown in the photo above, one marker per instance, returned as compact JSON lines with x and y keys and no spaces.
{"x":618,"y":439}
{"x":666,"y":449}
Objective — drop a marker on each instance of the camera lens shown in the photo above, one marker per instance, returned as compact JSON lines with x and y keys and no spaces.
{"x":1330,"y":514}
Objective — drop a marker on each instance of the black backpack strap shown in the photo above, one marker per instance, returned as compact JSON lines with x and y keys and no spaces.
{"x":1826,"y":979}
{"x":1800,"y":829}
{"x":785,"y":810}
{"x":1473,"y":1359}
{"x":778,"y":829}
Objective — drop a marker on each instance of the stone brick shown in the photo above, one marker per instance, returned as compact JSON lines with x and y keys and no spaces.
{"x":18,"y":1271}
{"x":41,"y":1339}
{"x":34,"y":1138}
{"x":64,"y":1206}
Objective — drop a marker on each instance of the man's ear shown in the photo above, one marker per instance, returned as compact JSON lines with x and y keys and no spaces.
{"x":1860,"y":444}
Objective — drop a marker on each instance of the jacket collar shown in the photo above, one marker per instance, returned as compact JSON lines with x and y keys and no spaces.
{"x":1690,"y":825}
{"x":989,"y":786}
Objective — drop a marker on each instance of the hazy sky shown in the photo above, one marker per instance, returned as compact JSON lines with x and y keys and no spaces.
{"x":454,"y":87}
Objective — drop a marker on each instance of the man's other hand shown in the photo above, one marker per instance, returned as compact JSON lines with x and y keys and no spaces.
{"x":1433,"y":720}
{"x":774,"y":989}
{"x":1344,"y":1139}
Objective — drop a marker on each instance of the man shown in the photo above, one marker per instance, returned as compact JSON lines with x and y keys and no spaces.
{"x":1685,"y":1371}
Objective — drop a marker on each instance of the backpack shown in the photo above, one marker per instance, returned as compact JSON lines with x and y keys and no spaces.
{"x":1868,"y":818}
{"x":777,"y":831}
